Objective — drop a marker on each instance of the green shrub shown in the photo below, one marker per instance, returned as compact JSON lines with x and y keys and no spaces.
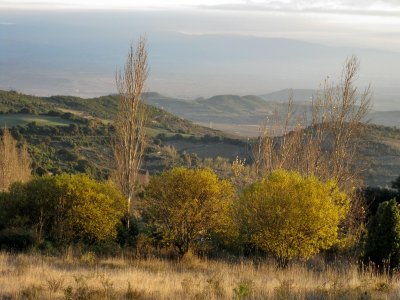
{"x":382,"y":246}
{"x":65,"y":208}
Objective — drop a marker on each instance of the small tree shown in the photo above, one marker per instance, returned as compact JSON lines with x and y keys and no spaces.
{"x":184,"y":205}
{"x":129,"y":142}
{"x":66,"y":208}
{"x":321,"y":141}
{"x":95,"y":209}
{"x":382,"y":245}
{"x":290,"y":216}
{"x":15,"y":164}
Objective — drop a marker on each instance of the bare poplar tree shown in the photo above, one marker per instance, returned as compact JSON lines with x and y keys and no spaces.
{"x":15,"y":164}
{"x":322,"y":141}
{"x":129,"y":142}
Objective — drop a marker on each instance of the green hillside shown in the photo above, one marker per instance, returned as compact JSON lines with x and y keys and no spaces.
{"x":72,"y":134}
{"x":13,"y":119}
{"x":32,"y":108}
{"x":12,"y":101}
{"x":102,"y":107}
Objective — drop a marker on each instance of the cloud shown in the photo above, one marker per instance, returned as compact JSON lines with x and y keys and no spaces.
{"x":381,"y":7}
{"x":356,"y":7}
{"x":111,"y":4}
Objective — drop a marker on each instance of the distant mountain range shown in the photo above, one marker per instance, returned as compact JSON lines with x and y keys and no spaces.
{"x":250,"y":109}
{"x":66,"y":54}
{"x":226,"y":109}
{"x":298,"y":95}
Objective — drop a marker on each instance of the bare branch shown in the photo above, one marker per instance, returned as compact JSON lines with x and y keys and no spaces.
{"x":326,"y":144}
{"x":15,"y":163}
{"x":129,"y":142}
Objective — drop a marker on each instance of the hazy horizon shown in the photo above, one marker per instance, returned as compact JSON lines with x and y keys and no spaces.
{"x":199,"y":48}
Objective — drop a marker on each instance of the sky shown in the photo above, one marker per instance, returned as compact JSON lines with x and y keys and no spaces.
{"x":198,"y":47}
{"x":374,"y":23}
{"x":378,"y":16}
{"x":371,"y":6}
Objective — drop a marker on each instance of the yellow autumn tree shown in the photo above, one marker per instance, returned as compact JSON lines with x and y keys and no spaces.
{"x":290,"y":216}
{"x":187,"y":205}
{"x":96,"y":208}
{"x":66,"y":208}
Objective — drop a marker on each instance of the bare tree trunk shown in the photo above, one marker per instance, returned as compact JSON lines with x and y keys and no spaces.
{"x":129,"y":142}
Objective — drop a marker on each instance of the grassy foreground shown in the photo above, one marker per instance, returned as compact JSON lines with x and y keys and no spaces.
{"x":33,"y":276}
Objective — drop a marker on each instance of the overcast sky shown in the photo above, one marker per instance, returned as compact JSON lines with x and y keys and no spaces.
{"x":363,"y":23}
{"x":361,"y":6}
{"x":380,"y":8}
{"x":185,"y":60}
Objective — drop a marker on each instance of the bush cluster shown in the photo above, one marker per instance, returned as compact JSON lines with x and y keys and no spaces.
{"x":61,"y":209}
{"x":284,"y":215}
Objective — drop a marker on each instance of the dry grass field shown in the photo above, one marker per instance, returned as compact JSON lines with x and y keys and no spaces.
{"x":34,"y":276}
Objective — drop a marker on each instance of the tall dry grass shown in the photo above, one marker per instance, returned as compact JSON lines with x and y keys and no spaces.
{"x":33,"y":276}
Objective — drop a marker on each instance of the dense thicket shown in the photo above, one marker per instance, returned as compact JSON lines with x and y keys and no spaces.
{"x":63,"y":209}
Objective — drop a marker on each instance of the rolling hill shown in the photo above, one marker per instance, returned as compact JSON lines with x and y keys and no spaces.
{"x":73,"y":134}
{"x":299,"y":95}
{"x":242,"y":115}
{"x":379,"y":152}
{"x":226,"y":109}
{"x":101,"y":109}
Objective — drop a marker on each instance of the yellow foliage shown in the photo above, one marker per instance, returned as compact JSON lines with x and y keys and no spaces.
{"x":66,"y":208}
{"x":183,"y":205}
{"x":238,"y":166}
{"x":95,"y":208}
{"x":290,"y":216}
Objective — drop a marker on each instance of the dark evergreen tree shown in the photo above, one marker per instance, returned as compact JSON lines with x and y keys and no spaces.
{"x":382,"y":245}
